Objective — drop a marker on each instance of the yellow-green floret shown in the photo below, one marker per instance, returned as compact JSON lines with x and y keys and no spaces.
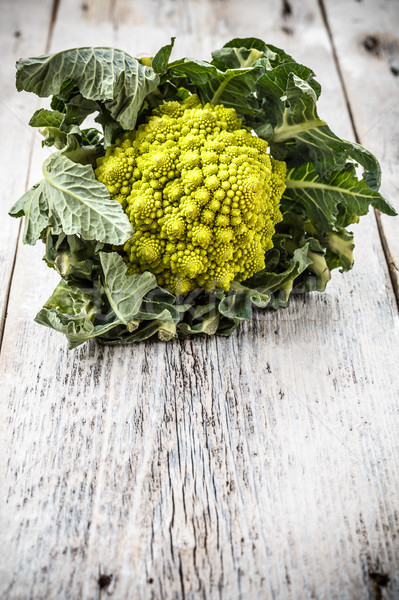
{"x":201,"y":193}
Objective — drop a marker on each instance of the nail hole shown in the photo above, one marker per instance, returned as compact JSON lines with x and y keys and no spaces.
{"x":372,"y":44}
{"x":394,"y":67}
{"x":104,"y":580}
{"x":287,"y":30}
{"x":381,"y":579}
{"x":287,"y":9}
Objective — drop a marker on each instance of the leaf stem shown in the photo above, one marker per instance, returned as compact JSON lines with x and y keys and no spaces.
{"x":285,"y":132}
{"x":220,"y":90}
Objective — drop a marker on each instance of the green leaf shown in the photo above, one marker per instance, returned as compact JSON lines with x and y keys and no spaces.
{"x":161,"y":59}
{"x":287,"y":94}
{"x":71,"y":310}
{"x":53,"y":136}
{"x":278,"y":65}
{"x":208,"y":325}
{"x":82,"y":204}
{"x":46,"y":118}
{"x":62,"y":131}
{"x":233,"y":88}
{"x":162,"y":310}
{"x":314,"y":140}
{"x":200,"y":313}
{"x":341,"y":244}
{"x":235,"y":58}
{"x":111,"y":128}
{"x":76,"y":108}
{"x":278,"y":285}
{"x":71,"y":198}
{"x":237,"y":302}
{"x":165,"y":329}
{"x":71,"y":256}
{"x":320,"y":200}
{"x":124,"y":292}
{"x":276,"y":69}
{"x":109,"y":76}
{"x":34,"y":206}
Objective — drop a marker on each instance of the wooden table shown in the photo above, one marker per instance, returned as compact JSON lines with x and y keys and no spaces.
{"x":264,"y":465}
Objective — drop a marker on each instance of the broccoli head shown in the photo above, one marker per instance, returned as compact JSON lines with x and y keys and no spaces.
{"x":201,"y":193}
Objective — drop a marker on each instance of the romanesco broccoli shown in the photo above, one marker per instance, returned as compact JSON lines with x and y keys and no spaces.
{"x":201,"y":193}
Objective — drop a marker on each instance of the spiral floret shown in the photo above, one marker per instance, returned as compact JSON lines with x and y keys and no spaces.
{"x":201,"y":193}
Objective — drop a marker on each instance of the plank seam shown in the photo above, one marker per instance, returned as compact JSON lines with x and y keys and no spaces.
{"x":3,"y":317}
{"x":53,"y":18}
{"x":392,"y":269}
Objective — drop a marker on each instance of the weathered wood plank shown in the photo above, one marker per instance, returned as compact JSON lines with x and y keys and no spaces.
{"x":367,"y":46}
{"x":259,"y":465}
{"x":17,"y":38}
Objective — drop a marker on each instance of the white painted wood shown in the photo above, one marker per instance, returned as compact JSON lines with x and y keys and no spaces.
{"x":17,"y":38}
{"x":367,"y":43}
{"x":261,"y":465}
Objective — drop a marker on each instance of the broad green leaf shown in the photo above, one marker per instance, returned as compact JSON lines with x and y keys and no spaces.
{"x":282,"y":282}
{"x":161,"y":59}
{"x":77,"y":108}
{"x":271,"y":89}
{"x":34,"y":206}
{"x":235,"y":58}
{"x":271,"y":85}
{"x":46,"y":118}
{"x":62,"y":131}
{"x":124,"y":292}
{"x":82,"y":204}
{"x":233,"y":88}
{"x":326,"y":251}
{"x":278,"y":64}
{"x":161,"y":304}
{"x":71,"y":256}
{"x":314,"y":140}
{"x":227,"y":326}
{"x":78,"y":330}
{"x":237,"y":302}
{"x":320,"y":200}
{"x":71,"y":198}
{"x":111,"y":128}
{"x":106,"y":75}
{"x":201,"y":314}
{"x":75,"y":300}
{"x":78,"y":148}
{"x":71,"y":310}
{"x":161,"y":311}
{"x":53,"y":136}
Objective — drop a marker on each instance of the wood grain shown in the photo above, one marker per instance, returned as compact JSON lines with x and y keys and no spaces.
{"x":367,"y":48}
{"x":261,"y":465}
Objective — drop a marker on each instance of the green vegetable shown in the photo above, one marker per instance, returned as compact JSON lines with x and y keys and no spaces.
{"x":210,"y":188}
{"x":201,"y":193}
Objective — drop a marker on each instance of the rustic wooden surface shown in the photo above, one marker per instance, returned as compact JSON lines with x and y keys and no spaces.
{"x":264,"y":465}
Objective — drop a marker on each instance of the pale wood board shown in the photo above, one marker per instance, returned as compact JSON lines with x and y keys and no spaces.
{"x":366,"y":39}
{"x":17,"y":38}
{"x":261,"y":465}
